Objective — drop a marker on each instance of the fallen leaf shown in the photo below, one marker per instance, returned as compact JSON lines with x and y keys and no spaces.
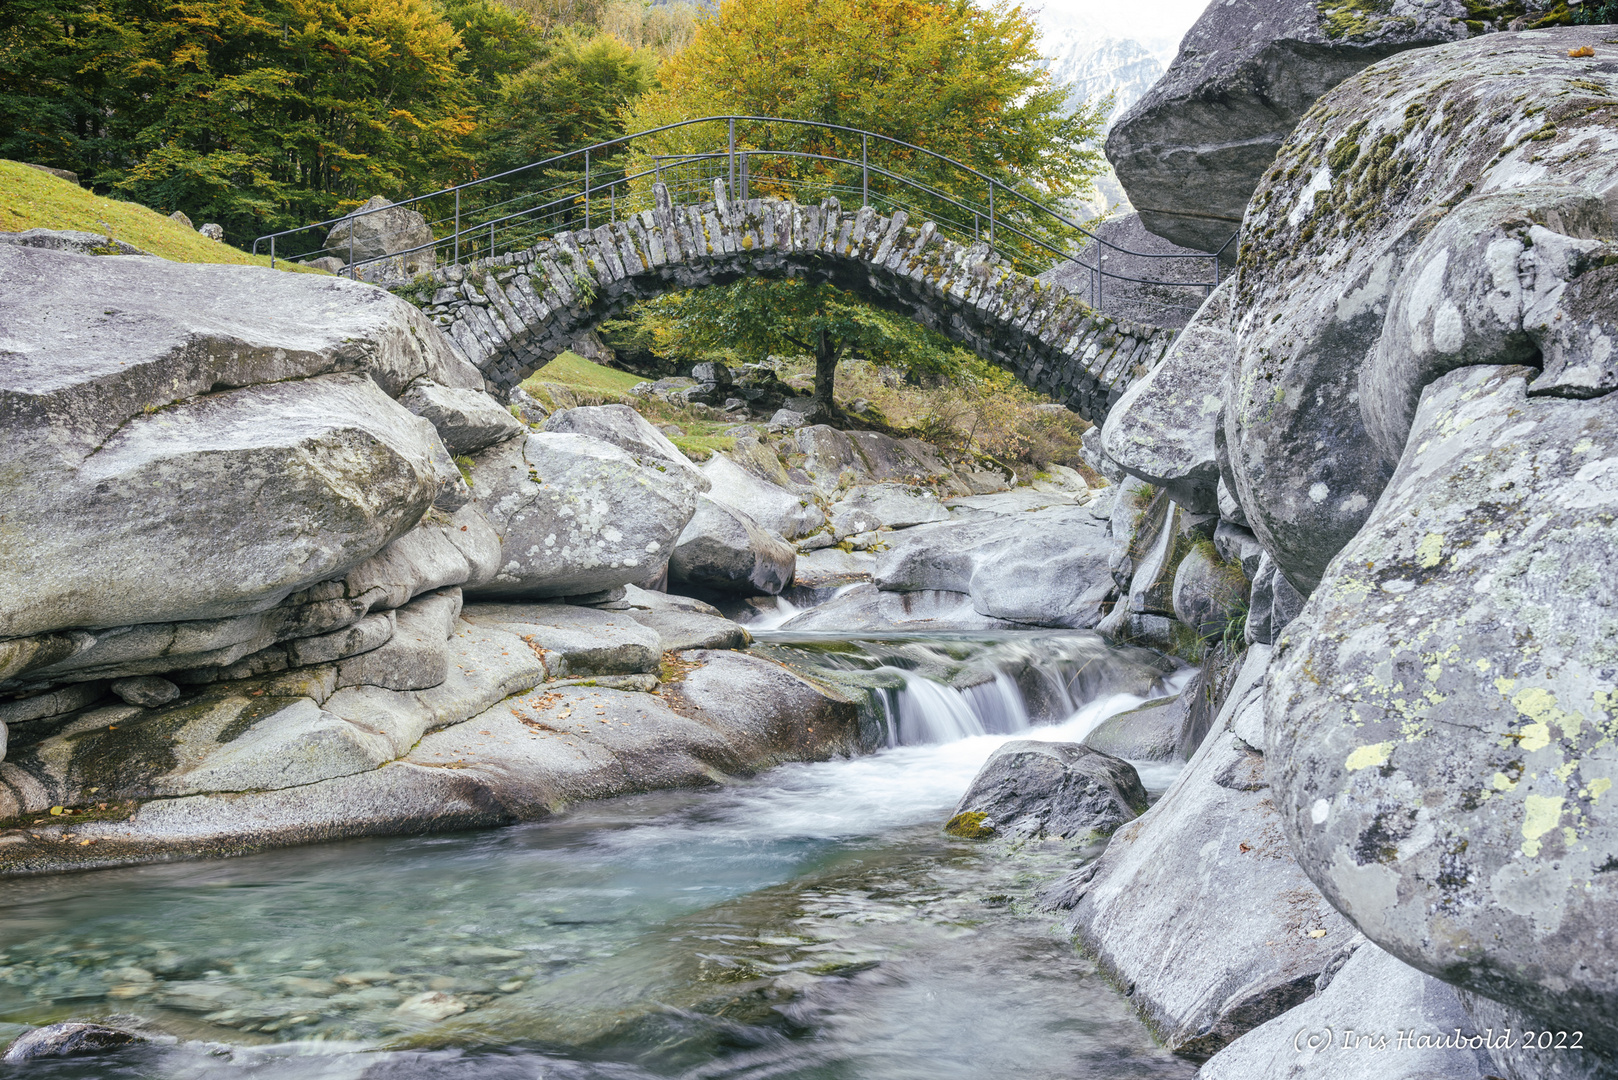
{"x":1583,"y":50}
{"x":1317,"y":933}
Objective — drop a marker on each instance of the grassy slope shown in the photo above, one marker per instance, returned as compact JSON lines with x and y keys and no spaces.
{"x":588,"y":383}
{"x":30,"y":199}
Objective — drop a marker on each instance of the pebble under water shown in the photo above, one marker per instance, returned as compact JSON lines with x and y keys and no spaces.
{"x":813,"y":922}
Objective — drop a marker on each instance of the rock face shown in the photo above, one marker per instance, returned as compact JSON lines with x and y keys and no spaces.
{"x":1353,"y":1029}
{"x":1037,"y":789}
{"x":722,"y":548}
{"x":1164,"y":427}
{"x":770,"y":505}
{"x":1394,"y":240}
{"x":576,"y":515}
{"x":1443,"y":712}
{"x":1208,"y":592}
{"x":467,"y":420}
{"x":1153,"y":732}
{"x":1210,"y":861}
{"x":1246,"y":72}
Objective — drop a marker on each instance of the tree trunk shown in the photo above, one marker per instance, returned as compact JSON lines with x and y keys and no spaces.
{"x":823,"y":405}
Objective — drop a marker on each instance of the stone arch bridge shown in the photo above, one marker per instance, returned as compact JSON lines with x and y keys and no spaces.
{"x":513,"y":313}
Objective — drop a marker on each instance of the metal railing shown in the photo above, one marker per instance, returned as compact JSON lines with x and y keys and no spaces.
{"x":606,"y":181}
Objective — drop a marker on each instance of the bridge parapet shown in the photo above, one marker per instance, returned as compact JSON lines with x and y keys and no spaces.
{"x":513,"y":313}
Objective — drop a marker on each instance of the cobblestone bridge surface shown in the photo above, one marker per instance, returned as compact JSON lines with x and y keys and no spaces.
{"x":513,"y":313}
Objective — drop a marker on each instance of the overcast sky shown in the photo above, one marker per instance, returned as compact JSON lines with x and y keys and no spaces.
{"x":1151,"y":22}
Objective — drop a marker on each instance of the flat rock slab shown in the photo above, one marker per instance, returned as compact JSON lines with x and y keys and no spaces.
{"x":575,"y":640}
{"x":866,"y":608}
{"x":831,"y":567}
{"x":1377,"y":1019}
{"x":1152,"y":732}
{"x":680,"y":630}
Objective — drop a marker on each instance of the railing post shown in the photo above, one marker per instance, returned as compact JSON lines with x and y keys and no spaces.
{"x":491,"y":239}
{"x":746,"y":160}
{"x":732,"y":157}
{"x":457,"y":227}
{"x":586,"y":191}
{"x":352,"y":276}
{"x":272,"y":253}
{"x":865,"y":169}
{"x":991,"y":215}
{"x":612,"y":201}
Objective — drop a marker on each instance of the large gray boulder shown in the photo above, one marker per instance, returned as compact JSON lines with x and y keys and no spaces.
{"x":1426,"y":214}
{"x":1441,"y":716}
{"x":1046,"y":567}
{"x":1154,"y":731}
{"x":1029,"y":790}
{"x":1374,"y":1019}
{"x":574,"y":640}
{"x":196,"y":441}
{"x":377,"y":229}
{"x":576,"y":515}
{"x":770,"y":505}
{"x":1162,"y":430}
{"x":722,"y":548}
{"x":1190,"y":152}
{"x":1209,"y":865}
{"x":216,"y":506}
{"x":467,"y":420}
{"x":628,"y":430}
{"x":1209,"y":593}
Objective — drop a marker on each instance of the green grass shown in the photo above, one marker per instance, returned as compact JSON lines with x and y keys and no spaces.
{"x":577,"y":373}
{"x":31,"y":199}
{"x":702,"y":447}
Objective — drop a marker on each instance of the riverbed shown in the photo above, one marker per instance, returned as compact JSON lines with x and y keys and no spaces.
{"x":813,"y":921}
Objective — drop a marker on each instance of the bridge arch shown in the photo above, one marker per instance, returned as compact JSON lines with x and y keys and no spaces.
{"x":513,"y":313}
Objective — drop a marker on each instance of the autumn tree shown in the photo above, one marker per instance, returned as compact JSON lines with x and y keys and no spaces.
{"x":957,"y":78}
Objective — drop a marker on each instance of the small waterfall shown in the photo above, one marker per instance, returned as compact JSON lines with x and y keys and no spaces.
{"x":929,"y":712}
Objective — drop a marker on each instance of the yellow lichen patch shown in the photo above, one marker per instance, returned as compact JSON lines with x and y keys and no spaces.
{"x":1429,"y":553}
{"x":1535,"y":737}
{"x":1543,"y":813}
{"x":1598,"y":787}
{"x":1368,"y":756}
{"x":1539,"y":705}
{"x":1502,"y":782}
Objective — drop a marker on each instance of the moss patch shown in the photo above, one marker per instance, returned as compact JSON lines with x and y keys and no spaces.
{"x":972,"y":825}
{"x":703,"y":447}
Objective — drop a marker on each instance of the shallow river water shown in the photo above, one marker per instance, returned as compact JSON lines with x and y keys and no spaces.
{"x":814,"y":921}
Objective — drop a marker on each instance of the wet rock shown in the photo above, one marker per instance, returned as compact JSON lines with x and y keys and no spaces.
{"x":1355,"y":1029}
{"x":864,"y":607}
{"x":68,"y":1040}
{"x":1440,"y":716}
{"x":576,"y":515}
{"x":1150,"y":732}
{"x":773,"y":507}
{"x":1208,"y":591}
{"x":722,"y":548}
{"x":467,"y":420}
{"x":1210,"y":860}
{"x":1162,"y":429}
{"x":626,"y":429}
{"x":829,"y":568}
{"x":1190,"y":152}
{"x":1047,"y":567}
{"x":1355,"y":289}
{"x":433,"y":1005}
{"x":147,"y":691}
{"x":377,"y":229}
{"x":1030,"y":789}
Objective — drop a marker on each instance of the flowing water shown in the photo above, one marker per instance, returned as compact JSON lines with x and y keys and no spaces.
{"x":813,"y":922}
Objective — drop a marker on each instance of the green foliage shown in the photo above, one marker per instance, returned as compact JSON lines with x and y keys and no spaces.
{"x":960,"y":79}
{"x":1592,"y":12}
{"x":755,"y":318}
